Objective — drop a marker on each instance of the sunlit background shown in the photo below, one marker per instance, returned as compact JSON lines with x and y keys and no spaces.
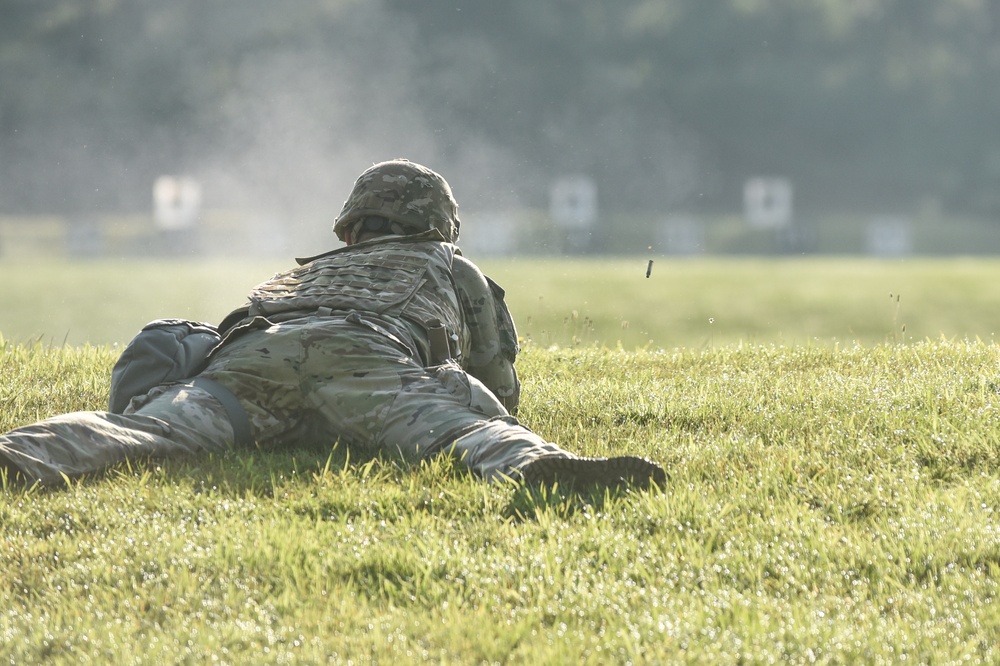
{"x":671,"y":127}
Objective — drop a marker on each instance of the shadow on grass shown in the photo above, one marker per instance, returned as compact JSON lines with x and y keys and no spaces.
{"x":253,"y":472}
{"x":528,"y":503}
{"x":266,"y":473}
{"x":256,"y":472}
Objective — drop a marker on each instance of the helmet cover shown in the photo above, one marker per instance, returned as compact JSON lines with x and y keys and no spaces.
{"x":409,"y":194}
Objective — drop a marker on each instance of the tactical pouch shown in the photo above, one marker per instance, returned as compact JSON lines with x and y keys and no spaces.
{"x":164,"y":351}
{"x":437,"y":336}
{"x":167,"y":351}
{"x":505,"y":323}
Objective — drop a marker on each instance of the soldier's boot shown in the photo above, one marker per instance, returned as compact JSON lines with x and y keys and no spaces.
{"x":588,"y":474}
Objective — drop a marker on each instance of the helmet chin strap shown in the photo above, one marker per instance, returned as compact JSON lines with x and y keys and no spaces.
{"x":373,"y":226}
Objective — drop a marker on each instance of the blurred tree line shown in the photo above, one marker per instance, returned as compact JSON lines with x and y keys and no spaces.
{"x":668,"y":104}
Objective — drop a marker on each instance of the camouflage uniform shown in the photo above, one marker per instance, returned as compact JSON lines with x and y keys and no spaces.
{"x":323,"y":355}
{"x":398,"y":344}
{"x":338,"y":349}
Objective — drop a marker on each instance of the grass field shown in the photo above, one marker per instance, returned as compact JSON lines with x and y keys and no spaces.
{"x":833,"y":496}
{"x":684,"y":303}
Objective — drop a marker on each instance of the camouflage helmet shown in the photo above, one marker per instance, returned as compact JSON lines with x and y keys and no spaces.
{"x":409,"y":196}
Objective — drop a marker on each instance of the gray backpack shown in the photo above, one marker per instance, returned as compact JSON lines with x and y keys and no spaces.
{"x":168,"y":351}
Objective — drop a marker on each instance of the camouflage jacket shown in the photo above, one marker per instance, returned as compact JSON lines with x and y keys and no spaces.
{"x":400,"y":286}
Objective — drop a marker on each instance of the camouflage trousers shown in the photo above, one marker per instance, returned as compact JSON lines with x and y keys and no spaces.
{"x":316,"y":379}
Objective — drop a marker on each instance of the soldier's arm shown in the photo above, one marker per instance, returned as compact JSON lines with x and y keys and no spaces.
{"x":493,"y":338}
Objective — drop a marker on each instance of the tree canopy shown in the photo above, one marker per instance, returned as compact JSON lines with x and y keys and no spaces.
{"x":667,"y":104}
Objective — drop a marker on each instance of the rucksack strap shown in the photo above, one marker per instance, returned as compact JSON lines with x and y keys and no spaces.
{"x":234,"y":410}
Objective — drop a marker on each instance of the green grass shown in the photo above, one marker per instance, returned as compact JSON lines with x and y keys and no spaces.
{"x":829,"y":502}
{"x":684,"y":303}
{"x":712,"y":302}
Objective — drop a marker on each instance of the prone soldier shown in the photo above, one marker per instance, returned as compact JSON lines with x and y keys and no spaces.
{"x":395,"y":342}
